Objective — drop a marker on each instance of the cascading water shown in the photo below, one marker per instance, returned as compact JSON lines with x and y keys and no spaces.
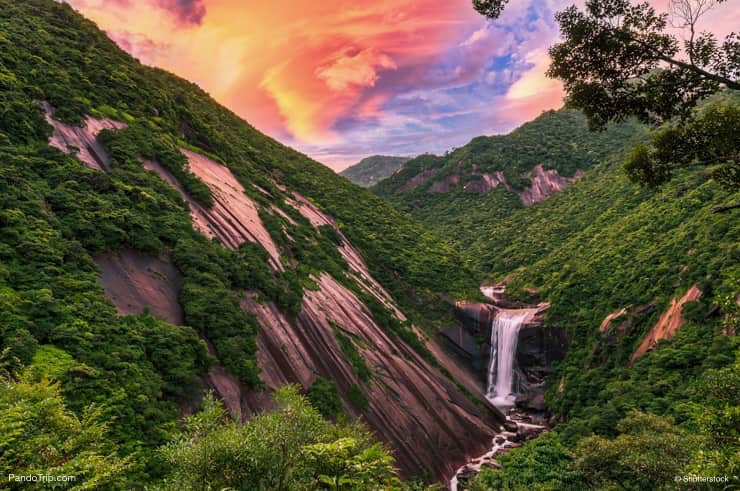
{"x":504,"y":335}
{"x":501,"y":391}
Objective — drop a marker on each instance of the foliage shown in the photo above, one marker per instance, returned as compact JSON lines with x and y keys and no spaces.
{"x":290,"y":448}
{"x":39,"y":435}
{"x":341,"y":464}
{"x":490,"y":8}
{"x":603,"y":245}
{"x":138,"y":141}
{"x":353,"y":355}
{"x":718,"y":417}
{"x":57,"y":216}
{"x":649,"y":452}
{"x":619,"y":59}
{"x":372,"y":169}
{"x":709,"y":138}
{"x":357,"y":397}
{"x":324,"y":397}
{"x":558,"y":140}
{"x":543,"y":464}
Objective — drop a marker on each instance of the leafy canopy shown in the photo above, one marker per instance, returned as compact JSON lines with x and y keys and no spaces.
{"x":490,"y":8}
{"x":291,"y":448}
{"x":711,"y":138}
{"x":619,"y":60}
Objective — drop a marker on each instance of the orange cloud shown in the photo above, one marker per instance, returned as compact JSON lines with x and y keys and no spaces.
{"x":534,"y":91}
{"x":350,"y":68}
{"x":291,"y":68}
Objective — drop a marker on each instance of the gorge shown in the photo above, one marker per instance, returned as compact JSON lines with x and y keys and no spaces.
{"x":187,"y":303}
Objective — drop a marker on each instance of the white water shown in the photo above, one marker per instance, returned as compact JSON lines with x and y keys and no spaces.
{"x":504,"y":335}
{"x":500,"y":390}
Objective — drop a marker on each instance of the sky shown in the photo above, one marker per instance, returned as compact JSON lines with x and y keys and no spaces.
{"x":344,"y":79}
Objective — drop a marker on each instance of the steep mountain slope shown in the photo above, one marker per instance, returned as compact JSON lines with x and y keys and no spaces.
{"x":646,"y":283}
{"x":372,"y":169}
{"x":463,"y":193}
{"x":161,"y":244}
{"x":613,"y":260}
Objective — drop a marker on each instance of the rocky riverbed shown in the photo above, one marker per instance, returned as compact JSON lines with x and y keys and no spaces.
{"x":520,"y":426}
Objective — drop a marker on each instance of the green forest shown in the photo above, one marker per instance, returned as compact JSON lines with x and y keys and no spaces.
{"x":91,"y":393}
{"x":601,"y":245}
{"x":557,"y":140}
{"x":87,"y":392}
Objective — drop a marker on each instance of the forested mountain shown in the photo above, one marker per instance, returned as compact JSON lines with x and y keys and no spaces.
{"x":372,"y":169}
{"x":186,"y":303}
{"x":463,"y":193}
{"x":154,"y":245}
{"x":644,"y":281}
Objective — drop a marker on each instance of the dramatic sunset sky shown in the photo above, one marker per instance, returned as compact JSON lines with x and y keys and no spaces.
{"x":344,"y":79}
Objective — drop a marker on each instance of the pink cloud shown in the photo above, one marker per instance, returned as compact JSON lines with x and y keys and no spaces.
{"x":352,"y":68}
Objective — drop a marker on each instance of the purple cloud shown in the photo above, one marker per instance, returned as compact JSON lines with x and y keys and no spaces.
{"x":186,"y":11}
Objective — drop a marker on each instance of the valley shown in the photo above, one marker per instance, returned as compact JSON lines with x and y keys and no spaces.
{"x":187,"y":303}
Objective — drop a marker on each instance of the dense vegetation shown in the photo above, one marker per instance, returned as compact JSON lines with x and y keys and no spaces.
{"x":126,"y":376}
{"x":605,"y":244}
{"x":88,"y":392}
{"x":557,"y":139}
{"x":291,"y":448}
{"x":372,"y":169}
{"x":629,"y":422}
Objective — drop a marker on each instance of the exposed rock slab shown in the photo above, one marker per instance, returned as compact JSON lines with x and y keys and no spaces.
{"x":199,"y":216}
{"x":358,"y":267}
{"x":445,"y":185}
{"x":417,"y":180}
{"x":412,"y":406}
{"x":237,"y":398}
{"x":545,"y":183}
{"x":83,"y":140}
{"x":609,"y":318}
{"x":486,"y":183}
{"x":461,"y":371}
{"x":134,"y":281}
{"x":234,"y":217}
{"x":668,"y":324}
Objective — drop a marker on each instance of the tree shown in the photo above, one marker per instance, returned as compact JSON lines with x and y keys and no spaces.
{"x":490,"y":8}
{"x":291,"y":448}
{"x":647,"y":454}
{"x":39,"y":435}
{"x":710,"y":138}
{"x":344,"y":464}
{"x":719,"y":420}
{"x":619,"y":60}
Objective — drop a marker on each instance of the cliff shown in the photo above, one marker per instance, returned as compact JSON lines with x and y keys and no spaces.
{"x":164,"y":246}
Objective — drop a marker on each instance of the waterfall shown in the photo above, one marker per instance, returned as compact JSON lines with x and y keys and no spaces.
{"x":504,"y":335}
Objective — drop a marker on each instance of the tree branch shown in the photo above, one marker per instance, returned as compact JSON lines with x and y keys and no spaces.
{"x":732,"y":84}
{"x":722,"y":209}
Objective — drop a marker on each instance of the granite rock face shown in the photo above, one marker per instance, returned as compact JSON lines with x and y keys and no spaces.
{"x":538,"y":349}
{"x":420,"y":412}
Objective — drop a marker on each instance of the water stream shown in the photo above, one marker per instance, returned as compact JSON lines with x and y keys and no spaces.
{"x":501,"y":390}
{"x":504,"y":336}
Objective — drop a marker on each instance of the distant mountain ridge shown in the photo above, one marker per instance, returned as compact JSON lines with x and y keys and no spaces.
{"x":463,"y":193}
{"x":372,"y":169}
